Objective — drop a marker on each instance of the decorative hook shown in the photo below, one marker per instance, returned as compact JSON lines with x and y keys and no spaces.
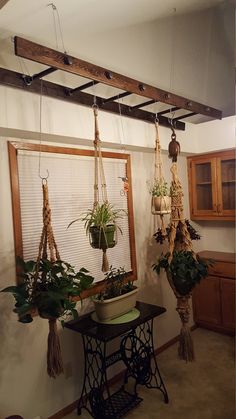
{"x":173,"y":135}
{"x":44,"y":178}
{"x":125,"y":189}
{"x":156,"y":120}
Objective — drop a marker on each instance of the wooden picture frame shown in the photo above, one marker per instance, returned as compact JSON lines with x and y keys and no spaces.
{"x":14,"y":147}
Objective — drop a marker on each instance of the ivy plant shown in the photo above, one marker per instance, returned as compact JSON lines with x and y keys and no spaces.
{"x":48,"y":288}
{"x":185,"y":269}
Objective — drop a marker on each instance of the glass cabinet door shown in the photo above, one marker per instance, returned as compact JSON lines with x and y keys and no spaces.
{"x":226,"y":181}
{"x":204,"y":187}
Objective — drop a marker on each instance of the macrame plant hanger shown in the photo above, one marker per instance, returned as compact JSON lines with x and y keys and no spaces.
{"x":47,"y":242}
{"x":99,"y":173}
{"x":125,"y":180}
{"x":159,"y":178}
{"x":186,"y":349}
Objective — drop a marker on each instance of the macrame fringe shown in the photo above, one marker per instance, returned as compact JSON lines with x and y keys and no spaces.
{"x":54,"y":357}
{"x":186,"y":349}
{"x":105,"y":263}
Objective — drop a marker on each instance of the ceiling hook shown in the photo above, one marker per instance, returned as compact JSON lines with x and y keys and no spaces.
{"x":156,"y":118}
{"x":53,"y":6}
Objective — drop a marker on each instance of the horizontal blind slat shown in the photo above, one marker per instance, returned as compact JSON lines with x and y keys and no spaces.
{"x":70,"y":194}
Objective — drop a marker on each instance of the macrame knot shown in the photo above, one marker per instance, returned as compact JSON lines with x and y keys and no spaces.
{"x":183,"y":308}
{"x":54,"y":357}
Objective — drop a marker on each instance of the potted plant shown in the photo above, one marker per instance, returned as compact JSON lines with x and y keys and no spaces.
{"x":49,"y":288}
{"x":161,"y":201}
{"x":101,"y":224}
{"x":118,"y":297}
{"x":184,"y":270}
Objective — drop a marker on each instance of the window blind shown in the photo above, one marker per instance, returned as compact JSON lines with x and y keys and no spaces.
{"x":70,"y":185}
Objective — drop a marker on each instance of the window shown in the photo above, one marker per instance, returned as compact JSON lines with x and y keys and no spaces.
{"x":70,"y":183}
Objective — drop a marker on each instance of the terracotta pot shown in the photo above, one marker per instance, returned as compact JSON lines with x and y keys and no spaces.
{"x":115,"y":307}
{"x":102,"y":238}
{"x":161,"y":204}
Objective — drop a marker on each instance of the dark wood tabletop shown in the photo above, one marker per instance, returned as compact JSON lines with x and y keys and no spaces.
{"x":104,"y":332}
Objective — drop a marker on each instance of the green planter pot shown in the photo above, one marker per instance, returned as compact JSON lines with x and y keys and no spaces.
{"x":102,"y":238}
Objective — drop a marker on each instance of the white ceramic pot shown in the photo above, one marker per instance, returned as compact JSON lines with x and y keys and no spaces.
{"x":115,"y":307}
{"x":161,"y":204}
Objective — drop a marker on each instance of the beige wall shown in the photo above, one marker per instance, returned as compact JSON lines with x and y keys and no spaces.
{"x":203,"y":71}
{"x":23,"y":347}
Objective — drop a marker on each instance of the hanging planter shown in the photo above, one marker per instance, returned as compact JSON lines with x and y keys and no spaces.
{"x":47,"y":287}
{"x":102,"y":238}
{"x":184,"y":269}
{"x":161,"y":201}
{"x":161,"y":204}
{"x":101,"y":222}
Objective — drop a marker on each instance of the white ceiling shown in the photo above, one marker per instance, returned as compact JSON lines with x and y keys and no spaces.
{"x":81,"y":19}
{"x":34,"y":18}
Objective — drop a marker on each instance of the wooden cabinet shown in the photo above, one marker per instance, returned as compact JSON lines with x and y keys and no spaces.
{"x":212,"y":182}
{"x":214,"y":297}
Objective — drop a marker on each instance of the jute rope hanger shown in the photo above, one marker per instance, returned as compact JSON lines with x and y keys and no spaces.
{"x":186,"y":349}
{"x":98,"y":166}
{"x":47,"y":241}
{"x":99,"y":174}
{"x":159,"y":177}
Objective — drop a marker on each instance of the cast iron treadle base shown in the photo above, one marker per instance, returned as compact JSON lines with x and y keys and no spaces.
{"x":121,"y":402}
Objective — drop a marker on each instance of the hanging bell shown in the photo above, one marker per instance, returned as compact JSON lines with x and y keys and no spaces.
{"x":174,"y":146}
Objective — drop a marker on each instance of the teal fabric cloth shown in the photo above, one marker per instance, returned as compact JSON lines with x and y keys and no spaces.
{"x":125,"y":318}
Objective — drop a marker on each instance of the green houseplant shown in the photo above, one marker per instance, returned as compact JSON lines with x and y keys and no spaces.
{"x":48,"y":288}
{"x":118,"y":297}
{"x":161,"y":200}
{"x":101,"y":223}
{"x":184,"y":270}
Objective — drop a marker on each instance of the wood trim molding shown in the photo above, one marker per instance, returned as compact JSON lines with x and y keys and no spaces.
{"x":118,"y":377}
{"x":227,"y":153}
{"x":15,"y":193}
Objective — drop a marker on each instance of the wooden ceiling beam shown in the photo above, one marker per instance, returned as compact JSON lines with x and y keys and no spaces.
{"x":13,"y":79}
{"x":44,"y":55}
{"x":3,"y":3}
